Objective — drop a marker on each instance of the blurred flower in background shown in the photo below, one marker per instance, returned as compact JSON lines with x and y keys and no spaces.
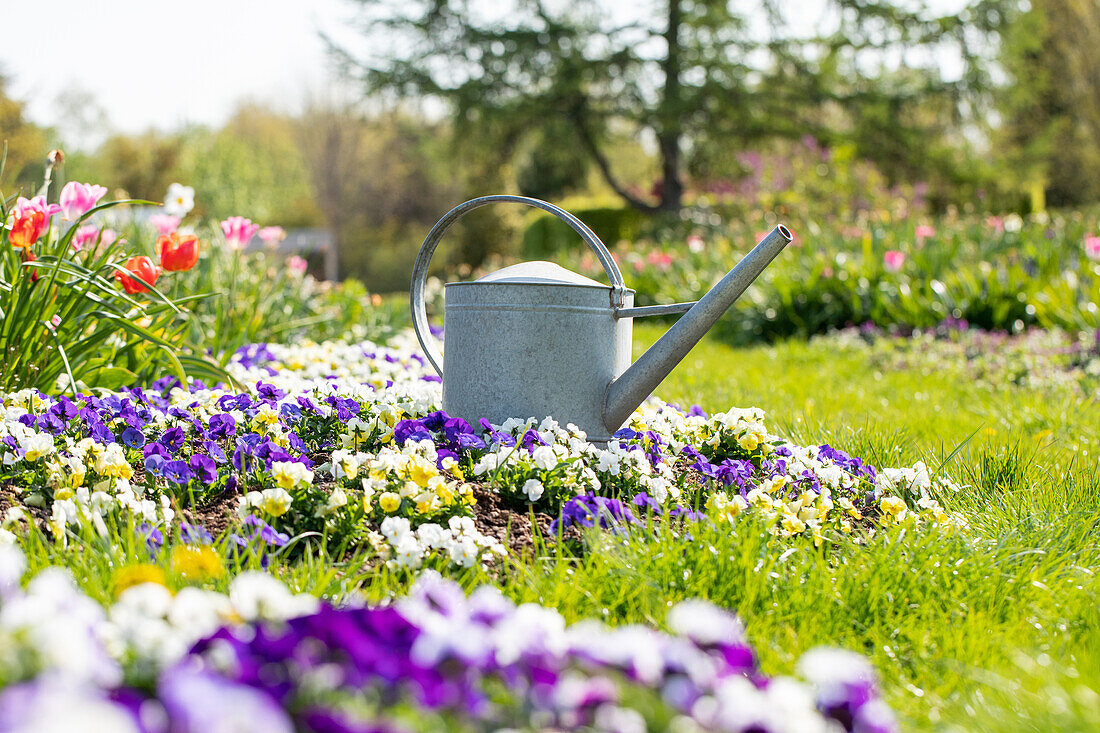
{"x":893,"y":260}
{"x":180,"y":200}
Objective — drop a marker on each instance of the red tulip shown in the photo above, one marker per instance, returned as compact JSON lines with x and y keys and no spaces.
{"x":178,"y":253}
{"x":29,"y":256}
{"x":142,"y":267}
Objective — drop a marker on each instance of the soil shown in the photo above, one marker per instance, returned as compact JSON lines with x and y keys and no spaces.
{"x":493,"y":517}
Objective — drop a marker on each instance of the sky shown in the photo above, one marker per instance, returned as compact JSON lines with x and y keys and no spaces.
{"x":163,"y":64}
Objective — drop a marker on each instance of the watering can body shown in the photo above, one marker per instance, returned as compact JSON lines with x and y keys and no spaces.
{"x":536,"y":340}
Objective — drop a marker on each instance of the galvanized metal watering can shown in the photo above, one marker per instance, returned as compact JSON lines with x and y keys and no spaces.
{"x":536,"y":340}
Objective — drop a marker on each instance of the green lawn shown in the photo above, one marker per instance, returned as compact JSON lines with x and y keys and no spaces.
{"x":818,"y":391}
{"x":998,"y":629}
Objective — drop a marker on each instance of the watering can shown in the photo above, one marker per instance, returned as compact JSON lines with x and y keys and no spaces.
{"x":537,"y":340}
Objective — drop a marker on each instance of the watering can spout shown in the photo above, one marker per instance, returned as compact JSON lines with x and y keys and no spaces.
{"x":639,"y":381}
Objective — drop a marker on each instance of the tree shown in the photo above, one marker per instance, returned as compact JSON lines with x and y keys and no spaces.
{"x":26,"y":146}
{"x":375,"y":179}
{"x":696,"y":72}
{"x":252,"y":166}
{"x":1051,"y":105}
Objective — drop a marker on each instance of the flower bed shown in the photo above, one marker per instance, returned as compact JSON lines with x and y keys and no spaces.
{"x":433,"y":660}
{"x":346,"y":440}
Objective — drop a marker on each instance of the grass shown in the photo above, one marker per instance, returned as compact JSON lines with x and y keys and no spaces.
{"x":993,"y":629}
{"x":996,"y":630}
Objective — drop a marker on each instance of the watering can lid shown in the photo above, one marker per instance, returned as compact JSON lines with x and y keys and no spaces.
{"x":539,"y":272}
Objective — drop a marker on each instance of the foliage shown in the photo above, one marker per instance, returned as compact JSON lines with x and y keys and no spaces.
{"x":380,"y":183}
{"x":252,"y":166}
{"x":545,"y":235}
{"x":258,"y":298}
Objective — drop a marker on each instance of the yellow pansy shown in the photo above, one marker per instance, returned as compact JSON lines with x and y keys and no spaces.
{"x":421,"y":471}
{"x":196,"y":563}
{"x":791,"y":524}
{"x":266,"y":416}
{"x":389,"y":502}
{"x":849,"y":508}
{"x":131,"y":575}
{"x":893,"y":508}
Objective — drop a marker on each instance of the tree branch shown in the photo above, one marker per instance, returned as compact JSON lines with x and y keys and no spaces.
{"x":604,"y":164}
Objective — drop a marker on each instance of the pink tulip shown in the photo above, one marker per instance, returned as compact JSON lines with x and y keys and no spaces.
{"x":238,"y":231}
{"x":272,"y":235}
{"x":996,"y":223}
{"x":84,"y":236}
{"x":893,"y":260}
{"x":1092,"y":248}
{"x":165,"y":223}
{"x":78,"y":199}
{"x":924,"y":231}
{"x":296,"y":265}
{"x":107,"y":237}
{"x":38,"y":203}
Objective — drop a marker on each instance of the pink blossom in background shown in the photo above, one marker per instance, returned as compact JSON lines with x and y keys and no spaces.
{"x":107,"y":237}
{"x":78,"y":199}
{"x":893,"y":260}
{"x":84,"y":236}
{"x":995,"y":223}
{"x":165,"y":223}
{"x":924,"y":231}
{"x":695,"y":243}
{"x":272,"y":235}
{"x":296,"y":265}
{"x":662,"y":260}
{"x":1092,"y":248}
{"x":238,"y":231}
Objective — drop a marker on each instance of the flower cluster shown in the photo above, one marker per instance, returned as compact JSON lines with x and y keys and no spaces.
{"x":459,"y":543}
{"x":261,"y":656}
{"x":1047,"y":360}
{"x":51,"y":628}
{"x":895,"y":268}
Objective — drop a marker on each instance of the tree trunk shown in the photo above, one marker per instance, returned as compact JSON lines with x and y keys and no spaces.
{"x":669,"y":130}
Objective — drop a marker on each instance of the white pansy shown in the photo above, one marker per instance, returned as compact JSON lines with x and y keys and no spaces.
{"x":533,"y":489}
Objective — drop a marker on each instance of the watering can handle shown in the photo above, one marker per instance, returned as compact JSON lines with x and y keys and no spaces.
{"x":420,"y":269}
